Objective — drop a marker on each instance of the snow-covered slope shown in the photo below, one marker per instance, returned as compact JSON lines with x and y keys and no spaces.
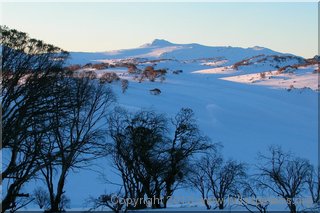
{"x":303,"y":77}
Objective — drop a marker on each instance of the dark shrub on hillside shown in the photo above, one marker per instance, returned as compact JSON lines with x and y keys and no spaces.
{"x":132,"y":68}
{"x":100,"y":66}
{"x":155,"y":91}
{"x":177,"y":72}
{"x":73,"y":67}
{"x":109,"y":77}
{"x":262,"y":75}
{"x":150,"y":73}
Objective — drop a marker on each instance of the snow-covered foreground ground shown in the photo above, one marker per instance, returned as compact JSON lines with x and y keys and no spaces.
{"x":245,"y":117}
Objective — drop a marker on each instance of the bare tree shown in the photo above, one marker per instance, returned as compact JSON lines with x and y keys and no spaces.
{"x":138,"y":139}
{"x":198,"y":176}
{"x":212,"y":176}
{"x":110,"y":201}
{"x":64,"y":203}
{"x":124,"y":85}
{"x":198,"y":180}
{"x":313,"y":182}
{"x":284,"y":175}
{"x":41,"y":197}
{"x":225,"y":181}
{"x":30,"y":71}
{"x":78,"y":136}
{"x":250,"y":197}
{"x":152,"y":164}
{"x":187,"y":141}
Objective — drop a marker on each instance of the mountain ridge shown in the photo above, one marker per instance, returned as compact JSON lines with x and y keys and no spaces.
{"x":164,"y":49}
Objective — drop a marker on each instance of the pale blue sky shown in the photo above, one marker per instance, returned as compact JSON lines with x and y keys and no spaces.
{"x":285,"y":27}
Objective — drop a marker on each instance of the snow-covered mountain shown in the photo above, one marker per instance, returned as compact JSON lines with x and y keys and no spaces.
{"x":162,"y":49}
{"x":200,"y":59}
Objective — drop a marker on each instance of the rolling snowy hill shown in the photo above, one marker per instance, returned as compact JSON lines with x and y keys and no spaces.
{"x":160,"y":49}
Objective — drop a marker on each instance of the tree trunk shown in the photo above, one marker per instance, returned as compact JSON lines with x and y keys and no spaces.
{"x":221,"y":206}
{"x":57,"y":199}
{"x":165,"y":200}
{"x":156,"y":204}
{"x":292,"y":207}
{"x":156,"y":201}
{"x":206,"y":203}
{"x":221,"y":203}
{"x":169,"y":192}
{"x":9,"y":201}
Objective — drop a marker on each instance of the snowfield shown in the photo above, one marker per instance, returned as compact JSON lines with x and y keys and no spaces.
{"x":217,"y":70}
{"x":236,"y":107}
{"x":304,"y":77}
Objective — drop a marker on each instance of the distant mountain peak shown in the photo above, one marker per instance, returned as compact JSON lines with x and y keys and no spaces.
{"x":258,"y":48}
{"x":160,"y":42}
